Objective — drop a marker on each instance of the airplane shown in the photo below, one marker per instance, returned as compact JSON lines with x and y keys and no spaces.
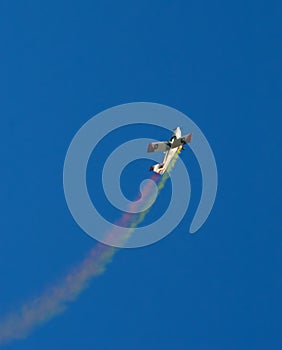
{"x":175,"y":144}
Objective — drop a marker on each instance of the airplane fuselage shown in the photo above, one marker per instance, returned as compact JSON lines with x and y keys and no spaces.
{"x":169,"y":155}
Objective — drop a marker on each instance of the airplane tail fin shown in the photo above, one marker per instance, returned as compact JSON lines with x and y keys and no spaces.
{"x":158,"y":168}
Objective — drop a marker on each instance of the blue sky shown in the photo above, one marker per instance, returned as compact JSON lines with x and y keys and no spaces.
{"x":218,"y":62}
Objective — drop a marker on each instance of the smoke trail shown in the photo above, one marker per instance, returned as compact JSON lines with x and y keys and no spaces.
{"x":55,"y":299}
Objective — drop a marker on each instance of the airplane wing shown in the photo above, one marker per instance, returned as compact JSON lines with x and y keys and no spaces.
{"x":182,"y":140}
{"x":158,"y":147}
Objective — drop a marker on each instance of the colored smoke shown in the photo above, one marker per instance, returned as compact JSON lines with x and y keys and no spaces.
{"x":56,"y":298}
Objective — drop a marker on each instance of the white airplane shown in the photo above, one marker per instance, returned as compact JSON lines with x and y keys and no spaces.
{"x":175,"y":144}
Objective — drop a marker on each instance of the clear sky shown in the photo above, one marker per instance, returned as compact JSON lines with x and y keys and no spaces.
{"x":219,"y":62}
